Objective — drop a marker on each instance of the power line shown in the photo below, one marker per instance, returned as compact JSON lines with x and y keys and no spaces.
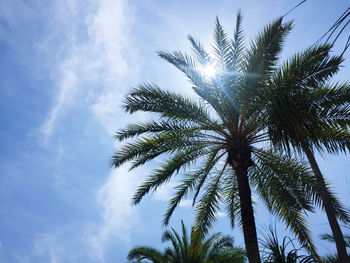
{"x":302,"y":2}
{"x":341,"y":23}
{"x":334,"y":27}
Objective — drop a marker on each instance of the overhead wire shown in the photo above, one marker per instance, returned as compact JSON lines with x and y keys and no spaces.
{"x":334,"y":26}
{"x":343,"y":21}
{"x":302,"y":2}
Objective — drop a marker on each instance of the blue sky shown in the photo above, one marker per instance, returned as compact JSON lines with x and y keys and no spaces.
{"x":64,"y":69}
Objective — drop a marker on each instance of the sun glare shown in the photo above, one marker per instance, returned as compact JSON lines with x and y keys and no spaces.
{"x":209,"y":71}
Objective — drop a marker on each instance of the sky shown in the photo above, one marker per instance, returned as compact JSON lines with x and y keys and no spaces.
{"x":65,"y":67}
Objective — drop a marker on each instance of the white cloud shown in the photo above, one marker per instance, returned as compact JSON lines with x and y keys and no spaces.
{"x":67,"y":85}
{"x":87,"y":241}
{"x":110,"y":32}
{"x":118,"y":214}
{"x":94,"y":61}
{"x":164,"y":192}
{"x":46,"y":245}
{"x":67,"y":243}
{"x":94,"y":69}
{"x":220,"y":214}
{"x":186,"y":203}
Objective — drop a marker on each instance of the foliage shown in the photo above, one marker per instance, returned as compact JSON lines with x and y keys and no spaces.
{"x":286,"y":252}
{"x":223,"y":135}
{"x":302,"y":105}
{"x":307,"y":113}
{"x":191,"y":249}
{"x":328,"y":237}
{"x":304,"y":108}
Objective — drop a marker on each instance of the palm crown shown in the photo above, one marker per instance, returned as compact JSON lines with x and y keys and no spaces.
{"x":217,"y":248}
{"x":285,"y":252}
{"x":304,"y":107}
{"x":306,"y":112}
{"x":221,"y":142}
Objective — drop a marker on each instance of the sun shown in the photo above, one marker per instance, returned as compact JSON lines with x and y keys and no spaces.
{"x":209,"y":71}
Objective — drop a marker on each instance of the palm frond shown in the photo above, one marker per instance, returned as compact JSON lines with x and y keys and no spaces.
{"x":190,"y":182}
{"x":185,"y":242}
{"x":208,"y":205}
{"x":187,"y":65}
{"x":333,"y":94}
{"x":330,"y":238}
{"x":219,"y":243}
{"x":231,"y":197}
{"x":308,"y":68}
{"x":285,"y":252}
{"x":162,"y":175}
{"x":237,"y":46}
{"x":341,"y":212}
{"x":160,"y":143}
{"x":209,"y":165}
{"x":200,"y":54}
{"x":149,"y":253}
{"x":173,"y":237}
{"x":151,"y":98}
{"x":286,"y":196}
{"x":152,"y":127}
{"x":333,"y":140}
{"x":263,"y":54}
{"x":221,"y":47}
{"x":300,"y":105}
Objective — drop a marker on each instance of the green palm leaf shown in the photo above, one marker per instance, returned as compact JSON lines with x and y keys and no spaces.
{"x":193,"y":248}
{"x":220,"y":143}
{"x":149,"y":253}
{"x":306,"y":114}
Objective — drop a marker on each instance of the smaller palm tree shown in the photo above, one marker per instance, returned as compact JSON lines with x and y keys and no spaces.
{"x":286,"y":252}
{"x":190,"y":249}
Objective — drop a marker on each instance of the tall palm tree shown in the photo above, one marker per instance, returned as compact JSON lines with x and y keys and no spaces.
{"x":191,"y":249}
{"x":219,"y":141}
{"x":306,"y":113}
{"x":328,"y":237}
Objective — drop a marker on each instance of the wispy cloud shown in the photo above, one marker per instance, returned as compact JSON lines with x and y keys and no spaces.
{"x":67,"y":85}
{"x":94,"y":72}
{"x":220,"y":214}
{"x":166,"y":192}
{"x":67,"y":243}
{"x":118,"y":215}
{"x":94,"y":66}
{"x":88,"y":240}
{"x":186,"y":203}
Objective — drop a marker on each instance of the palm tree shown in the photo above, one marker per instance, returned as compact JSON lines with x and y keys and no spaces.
{"x":139,"y":254}
{"x":328,"y":237}
{"x":191,"y":249}
{"x":286,"y":252}
{"x":219,"y":142}
{"x":306,"y":113}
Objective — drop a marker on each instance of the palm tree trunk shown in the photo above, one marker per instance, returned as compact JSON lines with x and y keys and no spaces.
{"x":247,"y":215}
{"x":330,"y":211}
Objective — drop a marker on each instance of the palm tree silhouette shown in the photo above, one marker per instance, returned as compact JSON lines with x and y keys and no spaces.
{"x":217,"y":248}
{"x":307,"y":113}
{"x":219,"y":142}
